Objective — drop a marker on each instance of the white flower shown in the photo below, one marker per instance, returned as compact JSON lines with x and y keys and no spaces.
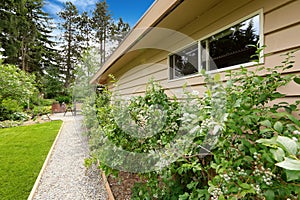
{"x":296,"y":132}
{"x":195,"y":92}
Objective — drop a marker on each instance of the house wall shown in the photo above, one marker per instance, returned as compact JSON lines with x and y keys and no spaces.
{"x":281,"y":30}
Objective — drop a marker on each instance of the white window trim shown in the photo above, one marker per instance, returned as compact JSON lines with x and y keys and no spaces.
{"x":261,"y":43}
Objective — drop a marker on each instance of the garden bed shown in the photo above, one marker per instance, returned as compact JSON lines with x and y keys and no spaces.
{"x":121,"y":186}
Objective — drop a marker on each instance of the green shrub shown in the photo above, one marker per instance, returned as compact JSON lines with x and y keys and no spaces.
{"x":61,"y":99}
{"x":9,"y":123}
{"x":16,"y":89}
{"x":47,"y":102}
{"x":244,"y":146}
{"x":41,"y":110}
{"x":19,"y":116}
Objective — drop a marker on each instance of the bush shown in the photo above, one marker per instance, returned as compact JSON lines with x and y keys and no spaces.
{"x":47,"y":102}
{"x":19,"y":116}
{"x":9,"y":123}
{"x":41,"y":110}
{"x":242,"y":145}
{"x":8,"y":109}
{"x":16,"y":88}
{"x":61,"y":99}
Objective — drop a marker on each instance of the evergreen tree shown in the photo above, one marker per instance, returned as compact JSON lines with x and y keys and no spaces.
{"x":101,"y":22}
{"x":119,"y":30}
{"x":71,"y":42}
{"x":8,"y":31}
{"x":85,"y":30}
{"x":25,"y":34}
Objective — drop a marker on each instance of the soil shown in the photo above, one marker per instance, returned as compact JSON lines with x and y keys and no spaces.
{"x":121,"y":186}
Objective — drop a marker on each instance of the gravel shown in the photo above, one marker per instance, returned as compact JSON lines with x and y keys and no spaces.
{"x":65,"y":176}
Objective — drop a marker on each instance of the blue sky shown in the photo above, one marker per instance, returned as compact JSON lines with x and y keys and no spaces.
{"x":129,"y":10}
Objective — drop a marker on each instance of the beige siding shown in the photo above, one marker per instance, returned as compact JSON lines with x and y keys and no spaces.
{"x":281,"y":34}
{"x":282,"y":17}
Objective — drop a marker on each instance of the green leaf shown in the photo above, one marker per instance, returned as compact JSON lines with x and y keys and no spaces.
{"x":268,"y":142}
{"x":290,"y":145}
{"x":278,"y":154}
{"x":245,"y":186}
{"x":192,"y":185}
{"x":245,"y":192}
{"x":290,"y":164}
{"x":294,"y":119}
{"x":184,"y":196}
{"x":278,"y":127}
{"x":270,"y":195}
{"x":266,"y":123}
{"x":217,"y":77}
{"x":292,"y":175}
{"x":208,"y":92}
{"x":221,"y":197}
{"x":265,"y":130}
{"x":297,"y":80}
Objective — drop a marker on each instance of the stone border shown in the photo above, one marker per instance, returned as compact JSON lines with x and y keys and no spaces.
{"x":37,"y":181}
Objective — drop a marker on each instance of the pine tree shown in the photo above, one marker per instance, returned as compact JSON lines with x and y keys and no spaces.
{"x":25,"y":35}
{"x":85,"y":30}
{"x":71,"y":39}
{"x":119,"y":30}
{"x":101,"y":22}
{"x":9,"y":34}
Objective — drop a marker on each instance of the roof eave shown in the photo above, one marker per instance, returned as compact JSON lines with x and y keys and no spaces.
{"x":157,"y":11}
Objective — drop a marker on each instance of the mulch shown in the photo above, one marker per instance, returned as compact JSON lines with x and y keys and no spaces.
{"x":121,"y":186}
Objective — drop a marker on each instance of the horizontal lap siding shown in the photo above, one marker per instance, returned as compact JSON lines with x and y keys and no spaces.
{"x":281,"y":33}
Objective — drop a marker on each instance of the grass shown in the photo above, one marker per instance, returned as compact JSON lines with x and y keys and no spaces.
{"x":23,"y":151}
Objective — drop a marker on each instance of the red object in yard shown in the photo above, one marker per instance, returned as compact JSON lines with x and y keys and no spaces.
{"x":56,"y":108}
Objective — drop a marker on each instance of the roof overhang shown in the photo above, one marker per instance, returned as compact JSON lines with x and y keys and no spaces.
{"x":158,"y":10}
{"x":172,"y":15}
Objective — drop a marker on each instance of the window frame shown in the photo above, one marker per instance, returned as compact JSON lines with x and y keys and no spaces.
{"x":200,"y":67}
{"x":171,"y":69}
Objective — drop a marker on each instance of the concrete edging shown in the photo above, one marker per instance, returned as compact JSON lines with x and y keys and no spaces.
{"x":37,"y":181}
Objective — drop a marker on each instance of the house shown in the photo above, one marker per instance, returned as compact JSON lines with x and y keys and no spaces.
{"x":175,"y":39}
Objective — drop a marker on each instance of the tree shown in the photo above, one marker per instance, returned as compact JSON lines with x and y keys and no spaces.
{"x":16,"y":88}
{"x":85,"y":30}
{"x":25,"y":34}
{"x":101,"y":22}
{"x":85,"y":71}
{"x":119,"y":30}
{"x":70,"y":39}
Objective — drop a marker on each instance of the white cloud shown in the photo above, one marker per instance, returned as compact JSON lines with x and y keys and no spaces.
{"x":80,"y":4}
{"x":52,"y":8}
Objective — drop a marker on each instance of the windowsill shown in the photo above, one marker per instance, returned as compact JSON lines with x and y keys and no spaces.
{"x":184,"y":77}
{"x":235,"y":67}
{"x":249,"y":64}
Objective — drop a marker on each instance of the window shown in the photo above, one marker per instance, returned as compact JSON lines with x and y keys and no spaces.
{"x":226,"y":48}
{"x":184,"y":62}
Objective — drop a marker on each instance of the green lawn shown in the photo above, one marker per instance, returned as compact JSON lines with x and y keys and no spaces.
{"x":22,"y":154}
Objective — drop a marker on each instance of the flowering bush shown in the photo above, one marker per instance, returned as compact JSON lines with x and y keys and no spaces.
{"x":234,"y":143}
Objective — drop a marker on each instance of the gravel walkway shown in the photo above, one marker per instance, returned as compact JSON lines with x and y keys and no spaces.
{"x":65,"y":176}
